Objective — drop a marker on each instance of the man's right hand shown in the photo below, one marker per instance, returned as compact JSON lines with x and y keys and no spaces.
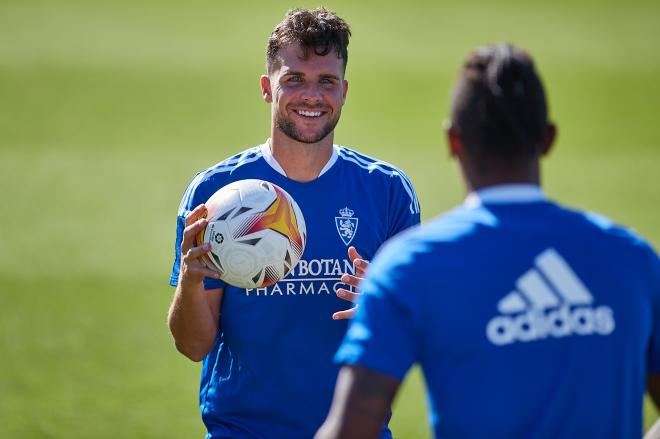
{"x":193,"y":270}
{"x":194,"y":314}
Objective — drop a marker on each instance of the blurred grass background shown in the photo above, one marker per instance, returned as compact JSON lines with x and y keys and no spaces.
{"x":108,"y":108}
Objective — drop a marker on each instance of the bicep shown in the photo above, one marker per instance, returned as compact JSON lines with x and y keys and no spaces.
{"x":404,"y":205}
{"x":214,"y":300}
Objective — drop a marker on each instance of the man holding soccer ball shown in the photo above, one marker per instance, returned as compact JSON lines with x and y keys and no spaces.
{"x":267,"y":352}
{"x":529,"y":320}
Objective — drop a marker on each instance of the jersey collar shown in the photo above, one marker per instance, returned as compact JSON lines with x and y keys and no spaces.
{"x":267,"y":154}
{"x":505,"y":194}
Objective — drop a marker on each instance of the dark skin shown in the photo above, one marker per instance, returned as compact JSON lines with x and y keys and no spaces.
{"x":360,"y":405}
{"x":479,"y":172}
{"x":653,"y":388}
{"x":363,"y":397}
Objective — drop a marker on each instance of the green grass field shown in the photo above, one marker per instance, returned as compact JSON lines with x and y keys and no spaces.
{"x":107,"y":109}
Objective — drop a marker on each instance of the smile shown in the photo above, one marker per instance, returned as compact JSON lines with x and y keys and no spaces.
{"x":306,"y":113}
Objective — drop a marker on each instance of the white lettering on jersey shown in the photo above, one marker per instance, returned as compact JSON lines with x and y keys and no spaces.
{"x":309,"y":277}
{"x":550,"y":300}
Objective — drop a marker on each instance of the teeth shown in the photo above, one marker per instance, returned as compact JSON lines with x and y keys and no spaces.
{"x":309,"y":113}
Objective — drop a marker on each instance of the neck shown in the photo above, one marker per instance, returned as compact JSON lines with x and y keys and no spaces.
{"x":495,"y":173}
{"x":301,"y":162}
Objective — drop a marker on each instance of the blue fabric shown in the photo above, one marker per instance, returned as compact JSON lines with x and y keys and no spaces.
{"x":271,"y":372}
{"x":508,"y":345}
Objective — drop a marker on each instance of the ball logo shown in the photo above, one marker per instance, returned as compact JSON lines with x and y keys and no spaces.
{"x":550,"y":300}
{"x":218,"y":238}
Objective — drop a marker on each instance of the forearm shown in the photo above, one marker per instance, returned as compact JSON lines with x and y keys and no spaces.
{"x":192,"y":322}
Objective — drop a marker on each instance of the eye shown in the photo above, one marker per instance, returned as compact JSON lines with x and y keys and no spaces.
{"x":294,"y":78}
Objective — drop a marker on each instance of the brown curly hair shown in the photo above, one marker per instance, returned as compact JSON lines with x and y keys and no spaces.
{"x":320,"y":30}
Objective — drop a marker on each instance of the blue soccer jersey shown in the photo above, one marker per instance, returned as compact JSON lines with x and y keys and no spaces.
{"x":270,"y":373}
{"x":529,"y":320}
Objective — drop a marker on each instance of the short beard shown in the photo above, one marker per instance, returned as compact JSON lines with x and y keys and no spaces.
{"x":289,"y":129}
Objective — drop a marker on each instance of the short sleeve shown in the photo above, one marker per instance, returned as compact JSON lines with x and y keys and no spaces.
{"x":197,"y":192}
{"x":383,"y":335}
{"x":176,"y":267}
{"x":404,"y":206}
{"x":654,"y":346}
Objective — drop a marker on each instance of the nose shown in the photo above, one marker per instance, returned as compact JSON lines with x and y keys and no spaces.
{"x":312,"y":93}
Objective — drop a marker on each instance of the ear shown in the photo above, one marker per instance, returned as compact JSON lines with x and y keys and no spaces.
{"x":345,"y":91}
{"x":454,"y":141}
{"x":266,"y":91}
{"x":549,"y":139}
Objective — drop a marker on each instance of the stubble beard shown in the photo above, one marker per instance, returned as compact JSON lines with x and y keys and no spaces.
{"x":288,"y":127}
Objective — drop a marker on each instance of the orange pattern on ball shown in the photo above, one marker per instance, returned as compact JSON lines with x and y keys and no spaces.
{"x":281,"y":218}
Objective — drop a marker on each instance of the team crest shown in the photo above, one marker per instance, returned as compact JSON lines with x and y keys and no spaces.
{"x":346,"y":225}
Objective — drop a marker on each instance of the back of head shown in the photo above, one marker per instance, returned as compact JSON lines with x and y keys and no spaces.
{"x":319,"y":30}
{"x":499,"y":108}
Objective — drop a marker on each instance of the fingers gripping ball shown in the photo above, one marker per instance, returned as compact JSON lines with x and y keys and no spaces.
{"x":256,"y":231}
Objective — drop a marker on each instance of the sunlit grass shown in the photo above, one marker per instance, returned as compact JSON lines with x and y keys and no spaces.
{"x":107,"y":109}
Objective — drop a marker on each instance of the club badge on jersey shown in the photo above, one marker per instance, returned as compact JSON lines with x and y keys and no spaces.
{"x":346,"y":225}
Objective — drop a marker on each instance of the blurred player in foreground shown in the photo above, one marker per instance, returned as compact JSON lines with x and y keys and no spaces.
{"x":267,"y":352}
{"x":528,"y":319}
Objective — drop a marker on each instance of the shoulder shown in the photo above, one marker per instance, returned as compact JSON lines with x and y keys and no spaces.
{"x":627,"y":245}
{"x":402,"y":261}
{"x":206,"y":182}
{"x":367,"y":163}
{"x":611,"y":238}
{"x":458,"y":226}
{"x":625,"y":236}
{"x":460,"y":223}
{"x":606,"y":228}
{"x":439,"y":236}
{"x":389,"y":174}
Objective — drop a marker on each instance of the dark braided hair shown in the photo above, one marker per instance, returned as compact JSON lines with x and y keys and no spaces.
{"x":499,"y":107}
{"x":318,"y":29}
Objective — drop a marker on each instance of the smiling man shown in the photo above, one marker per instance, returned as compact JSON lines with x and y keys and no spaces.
{"x":267,"y":353}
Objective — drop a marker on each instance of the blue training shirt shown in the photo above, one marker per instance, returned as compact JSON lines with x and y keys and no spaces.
{"x":270,"y":373}
{"x":529,"y":320}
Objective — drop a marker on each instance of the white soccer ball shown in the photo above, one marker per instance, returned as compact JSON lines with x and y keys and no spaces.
{"x":256,"y":231}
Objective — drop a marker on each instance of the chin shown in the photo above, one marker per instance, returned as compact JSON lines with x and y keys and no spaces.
{"x":312,"y":138}
{"x":293,"y":132}
{"x":309,"y":140}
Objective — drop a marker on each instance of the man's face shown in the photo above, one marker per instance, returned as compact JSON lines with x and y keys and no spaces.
{"x":307,"y":94}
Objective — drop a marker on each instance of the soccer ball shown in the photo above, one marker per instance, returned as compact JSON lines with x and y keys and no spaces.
{"x":256,"y":231}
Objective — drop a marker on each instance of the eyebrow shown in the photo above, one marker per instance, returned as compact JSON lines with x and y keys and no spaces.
{"x":323,"y":75}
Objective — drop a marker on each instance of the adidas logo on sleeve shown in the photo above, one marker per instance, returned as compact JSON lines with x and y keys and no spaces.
{"x":550,"y":300}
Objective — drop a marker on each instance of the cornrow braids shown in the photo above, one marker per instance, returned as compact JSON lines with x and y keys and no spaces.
{"x":320,"y":30}
{"x":499,"y":106}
